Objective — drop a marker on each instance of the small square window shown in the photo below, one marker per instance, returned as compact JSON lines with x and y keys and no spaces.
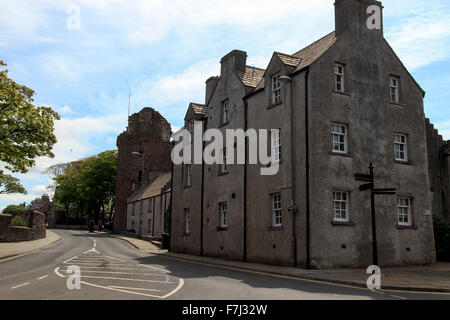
{"x":277,"y":220}
{"x":339,"y":76}
{"x":276,"y":146}
{"x":341,"y":206}
{"x":339,"y":138}
{"x":394,"y":84}
{"x":276,"y":89}
{"x":404,"y":211}
{"x":187,"y":221}
{"x":225,"y":112}
{"x":223,"y":210}
{"x":400,"y":147}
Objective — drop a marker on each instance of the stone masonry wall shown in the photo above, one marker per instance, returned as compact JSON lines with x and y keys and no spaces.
{"x":36,"y":228}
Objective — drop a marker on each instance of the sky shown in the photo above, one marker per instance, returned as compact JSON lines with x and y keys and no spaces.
{"x":163,"y":51}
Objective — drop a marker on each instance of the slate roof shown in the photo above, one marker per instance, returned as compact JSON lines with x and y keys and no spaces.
{"x":288,"y":59}
{"x":199,"y":109}
{"x":152,"y":189}
{"x":307,"y":55}
{"x":251,"y":77}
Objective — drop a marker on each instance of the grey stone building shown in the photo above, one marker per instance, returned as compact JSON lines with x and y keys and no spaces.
{"x":341,"y":103}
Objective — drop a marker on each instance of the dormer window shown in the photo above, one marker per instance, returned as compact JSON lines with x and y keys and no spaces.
{"x":339,"y":75}
{"x":276,"y":89}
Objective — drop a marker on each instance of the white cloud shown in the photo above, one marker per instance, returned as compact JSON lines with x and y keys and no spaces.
{"x":421,"y":39}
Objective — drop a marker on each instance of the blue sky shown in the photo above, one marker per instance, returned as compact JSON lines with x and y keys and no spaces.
{"x":163,"y":51}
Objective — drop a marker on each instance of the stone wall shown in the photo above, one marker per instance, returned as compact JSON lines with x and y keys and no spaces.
{"x":36,"y":228}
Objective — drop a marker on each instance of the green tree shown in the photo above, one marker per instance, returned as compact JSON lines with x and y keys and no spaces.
{"x":26,"y":131}
{"x":87,"y":185}
{"x":9,"y":184}
{"x":13,"y":210}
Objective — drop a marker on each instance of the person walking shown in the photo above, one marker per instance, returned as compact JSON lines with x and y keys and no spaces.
{"x":91,"y":226}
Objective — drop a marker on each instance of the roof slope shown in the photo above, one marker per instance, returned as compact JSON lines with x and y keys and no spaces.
{"x":198,"y":108}
{"x":152,"y":189}
{"x":315,"y":50}
{"x":251,"y":77}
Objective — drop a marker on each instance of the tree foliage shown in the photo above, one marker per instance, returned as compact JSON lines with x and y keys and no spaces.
{"x":13,"y":210}
{"x":87,"y":185}
{"x":26,"y":131}
{"x":9,"y":184}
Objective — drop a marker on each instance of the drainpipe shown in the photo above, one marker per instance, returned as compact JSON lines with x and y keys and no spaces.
{"x":292,"y":208}
{"x":169,"y":227}
{"x":202,"y":193}
{"x":244,"y":221}
{"x":308,"y":235}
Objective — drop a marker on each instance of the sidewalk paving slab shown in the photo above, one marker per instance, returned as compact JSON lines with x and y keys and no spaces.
{"x":10,"y":250}
{"x":422,"y":278}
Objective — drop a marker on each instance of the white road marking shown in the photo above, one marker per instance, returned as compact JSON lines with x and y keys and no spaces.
{"x":43,"y":277}
{"x":20,"y":285}
{"x":138,"y":274}
{"x":126,"y":279}
{"x":141,"y":289}
{"x":70,"y":259}
{"x":180,"y":285}
{"x":144,"y":265}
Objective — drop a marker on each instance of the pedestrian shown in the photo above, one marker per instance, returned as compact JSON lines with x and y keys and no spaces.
{"x":91,"y":226}
{"x":100,"y":225}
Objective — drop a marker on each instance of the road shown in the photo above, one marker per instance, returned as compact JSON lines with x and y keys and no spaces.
{"x":112,"y":269}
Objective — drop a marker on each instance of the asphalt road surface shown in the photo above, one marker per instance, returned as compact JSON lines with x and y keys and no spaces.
{"x":111,"y":268}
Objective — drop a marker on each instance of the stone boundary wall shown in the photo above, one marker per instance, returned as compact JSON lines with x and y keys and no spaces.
{"x":36,"y":228}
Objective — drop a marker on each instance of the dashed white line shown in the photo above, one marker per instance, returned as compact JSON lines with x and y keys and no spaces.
{"x":43,"y":277}
{"x":21,"y":285}
{"x":140,"y":289}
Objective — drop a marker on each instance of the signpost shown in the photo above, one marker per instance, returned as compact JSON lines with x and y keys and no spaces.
{"x":371,"y":186}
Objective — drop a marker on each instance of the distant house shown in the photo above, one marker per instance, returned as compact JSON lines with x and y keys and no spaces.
{"x":149,"y":216}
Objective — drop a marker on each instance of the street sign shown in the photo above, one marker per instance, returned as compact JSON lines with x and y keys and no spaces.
{"x":365,"y":187}
{"x":384,"y":191}
{"x":363,"y":177}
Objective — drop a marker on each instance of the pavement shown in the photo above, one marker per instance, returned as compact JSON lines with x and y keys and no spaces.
{"x":13,"y":249}
{"x":427,"y":278}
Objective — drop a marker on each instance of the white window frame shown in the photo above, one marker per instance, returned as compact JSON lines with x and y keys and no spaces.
{"x":224,"y":165}
{"x":277,"y":219}
{"x":394,"y":85}
{"x":276,"y":89}
{"x":400,"y":147}
{"x":404,"y":203}
{"x":341,"y":204}
{"x":223,"y":210}
{"x":187,"y":221}
{"x":188,"y":175}
{"x":225,"y":112}
{"x":339,"y":77}
{"x":276,"y":145}
{"x":339,"y":137}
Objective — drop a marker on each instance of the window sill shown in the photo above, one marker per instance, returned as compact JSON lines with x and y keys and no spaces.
{"x":222,"y":229}
{"x":275,"y":228}
{"x":408,"y":163}
{"x":224,"y":124}
{"x":342,"y":93}
{"x":273,"y":105}
{"x":348,"y":155}
{"x":406,"y":227}
{"x":343,"y":223}
{"x":397,"y":104}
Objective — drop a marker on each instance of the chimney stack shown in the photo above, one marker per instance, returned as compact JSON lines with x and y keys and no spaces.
{"x":359,"y":19}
